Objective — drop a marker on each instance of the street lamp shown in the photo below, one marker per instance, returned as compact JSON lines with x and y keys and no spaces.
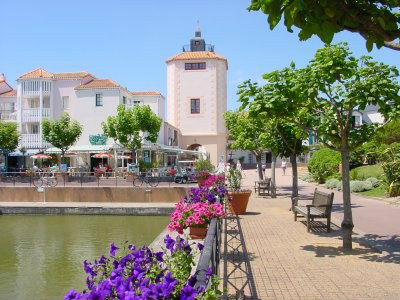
{"x":23,"y":151}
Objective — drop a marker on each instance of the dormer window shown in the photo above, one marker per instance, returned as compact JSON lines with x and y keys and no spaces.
{"x":195,"y":66}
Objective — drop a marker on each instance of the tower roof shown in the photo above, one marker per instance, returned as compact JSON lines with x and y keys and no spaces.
{"x":195,"y":55}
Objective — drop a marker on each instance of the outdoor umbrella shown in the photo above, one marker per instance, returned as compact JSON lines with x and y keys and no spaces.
{"x":103,"y":155}
{"x":40,"y":156}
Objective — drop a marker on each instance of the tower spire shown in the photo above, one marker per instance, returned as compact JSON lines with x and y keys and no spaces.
{"x":197,"y":32}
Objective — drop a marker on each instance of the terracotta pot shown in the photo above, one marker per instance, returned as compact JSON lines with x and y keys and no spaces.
{"x":239,"y":202}
{"x":198,"y":232}
{"x":201,"y":181}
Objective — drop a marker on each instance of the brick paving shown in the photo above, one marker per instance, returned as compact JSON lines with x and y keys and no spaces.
{"x":266,"y":255}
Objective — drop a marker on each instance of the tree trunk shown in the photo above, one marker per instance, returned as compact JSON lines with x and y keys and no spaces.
{"x":62,"y":157}
{"x":295,"y":183}
{"x":273,"y":182}
{"x":259,"y":167}
{"x":347,"y":223}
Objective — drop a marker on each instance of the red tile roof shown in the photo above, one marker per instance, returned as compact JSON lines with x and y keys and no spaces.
{"x":195,"y":55}
{"x":99,"y":84}
{"x":72,"y":75}
{"x":145,"y":93}
{"x":38,"y":73}
{"x":42,"y":73}
{"x":12,"y":93}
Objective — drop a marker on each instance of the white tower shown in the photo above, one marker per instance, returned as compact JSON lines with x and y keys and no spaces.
{"x":196,"y":93}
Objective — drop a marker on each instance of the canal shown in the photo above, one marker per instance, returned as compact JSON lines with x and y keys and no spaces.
{"x":41,"y":256}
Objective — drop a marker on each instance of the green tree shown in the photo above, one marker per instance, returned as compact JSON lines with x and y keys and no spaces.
{"x":284,"y":136}
{"x":130,"y":127}
{"x":62,"y":133}
{"x":249,"y":134}
{"x":378,"y":22}
{"x":390,"y":133}
{"x":330,"y":89}
{"x":9,"y":138}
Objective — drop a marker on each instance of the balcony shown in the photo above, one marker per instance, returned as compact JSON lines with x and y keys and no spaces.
{"x":33,"y":141}
{"x":33,"y":114}
{"x":35,"y":88}
{"x":8,"y":116}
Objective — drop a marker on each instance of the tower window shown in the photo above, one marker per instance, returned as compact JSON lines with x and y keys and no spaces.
{"x":195,"y":106}
{"x":99,"y":100}
{"x":195,"y":66}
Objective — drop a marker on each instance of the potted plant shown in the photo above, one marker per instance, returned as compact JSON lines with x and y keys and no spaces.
{"x":203,"y":168}
{"x":195,"y":216}
{"x":171,"y":172}
{"x":239,"y":198}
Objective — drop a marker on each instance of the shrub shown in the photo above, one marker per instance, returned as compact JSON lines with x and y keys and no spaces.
{"x":339,"y":186}
{"x":337,"y":176}
{"x":374,"y":181}
{"x":364,"y":172}
{"x":357,"y":186}
{"x":332,"y":183}
{"x":391,"y":167}
{"x":307,"y":178}
{"x":324,"y":163}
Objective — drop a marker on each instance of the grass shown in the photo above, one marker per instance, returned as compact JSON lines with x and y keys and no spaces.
{"x":379,"y":191}
{"x":363,"y":172}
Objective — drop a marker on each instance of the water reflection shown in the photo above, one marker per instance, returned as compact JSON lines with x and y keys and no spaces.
{"x":41,"y":256}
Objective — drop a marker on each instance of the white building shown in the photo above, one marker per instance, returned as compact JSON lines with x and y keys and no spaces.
{"x":197,"y":98}
{"x":8,"y":100}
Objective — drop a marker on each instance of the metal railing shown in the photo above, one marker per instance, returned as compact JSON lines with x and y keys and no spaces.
{"x":211,"y":254}
{"x":88,"y":179}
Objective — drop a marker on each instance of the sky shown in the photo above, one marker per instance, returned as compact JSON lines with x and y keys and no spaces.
{"x":128,"y":41}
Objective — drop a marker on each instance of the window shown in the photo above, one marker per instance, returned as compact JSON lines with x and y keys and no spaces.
{"x":356,"y":121}
{"x":197,"y":43}
{"x":123,"y":100}
{"x":135,"y":102}
{"x":34,"y":129}
{"x":195,"y":66}
{"x":99,"y":100}
{"x":194,"y":106}
{"x":65,"y":102}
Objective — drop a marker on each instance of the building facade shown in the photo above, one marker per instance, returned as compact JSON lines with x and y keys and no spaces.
{"x":197,"y":98}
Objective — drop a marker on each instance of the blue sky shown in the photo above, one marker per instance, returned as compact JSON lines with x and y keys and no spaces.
{"x":128,"y":41}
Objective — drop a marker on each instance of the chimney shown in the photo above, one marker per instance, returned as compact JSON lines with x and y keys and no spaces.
{"x":2,"y":77}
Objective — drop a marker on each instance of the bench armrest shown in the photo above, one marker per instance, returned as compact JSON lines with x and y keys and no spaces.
{"x":312,"y":205}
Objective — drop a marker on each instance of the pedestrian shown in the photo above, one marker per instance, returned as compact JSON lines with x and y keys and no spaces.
{"x":283,"y":166}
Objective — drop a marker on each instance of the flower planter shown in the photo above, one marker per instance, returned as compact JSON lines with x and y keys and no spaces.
{"x":201,"y":180}
{"x":239,"y":202}
{"x":198,"y":232}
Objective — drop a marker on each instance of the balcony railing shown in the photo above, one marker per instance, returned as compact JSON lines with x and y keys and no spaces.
{"x":8,"y":116}
{"x":209,"y":47}
{"x":33,"y":141}
{"x":33,"y":114}
{"x":33,"y":88}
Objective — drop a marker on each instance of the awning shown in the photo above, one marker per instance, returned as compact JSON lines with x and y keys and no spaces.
{"x":83,"y":149}
{"x":27,"y":153}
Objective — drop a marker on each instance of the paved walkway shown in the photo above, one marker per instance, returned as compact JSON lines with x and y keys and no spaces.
{"x":267,"y":255}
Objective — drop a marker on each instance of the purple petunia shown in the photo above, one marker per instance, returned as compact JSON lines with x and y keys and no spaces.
{"x":72,"y":295}
{"x":200,"y":246}
{"x":188,"y":293}
{"x":113,"y":249}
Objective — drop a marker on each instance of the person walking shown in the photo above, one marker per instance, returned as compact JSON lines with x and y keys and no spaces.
{"x":283,"y":166}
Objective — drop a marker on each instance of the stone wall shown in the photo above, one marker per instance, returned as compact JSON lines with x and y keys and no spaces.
{"x":93,"y":194}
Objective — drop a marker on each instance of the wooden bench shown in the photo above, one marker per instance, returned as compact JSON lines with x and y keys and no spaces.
{"x":263,"y":187}
{"x":320,"y":208}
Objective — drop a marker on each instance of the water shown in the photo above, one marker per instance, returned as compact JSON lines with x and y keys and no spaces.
{"x":41,"y":256}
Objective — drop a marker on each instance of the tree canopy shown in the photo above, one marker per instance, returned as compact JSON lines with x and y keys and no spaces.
{"x":249,"y":134}
{"x":378,"y":22}
{"x":9,"y":136}
{"x":62,"y":133}
{"x":323,"y":97}
{"x":130,"y":127}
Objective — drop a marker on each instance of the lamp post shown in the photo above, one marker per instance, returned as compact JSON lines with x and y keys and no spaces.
{"x":23,"y":151}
